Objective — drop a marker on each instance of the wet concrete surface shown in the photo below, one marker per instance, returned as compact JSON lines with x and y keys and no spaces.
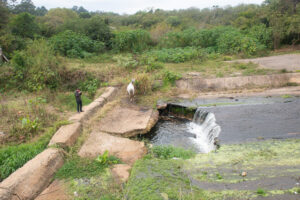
{"x":253,"y":119}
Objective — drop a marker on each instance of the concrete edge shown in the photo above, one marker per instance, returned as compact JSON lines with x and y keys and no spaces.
{"x":66,"y":135}
{"x":97,"y":103}
{"x":241,"y":82}
{"x":35,"y":176}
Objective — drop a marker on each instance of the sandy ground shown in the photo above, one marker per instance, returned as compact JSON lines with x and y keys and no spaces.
{"x":290,"y":62}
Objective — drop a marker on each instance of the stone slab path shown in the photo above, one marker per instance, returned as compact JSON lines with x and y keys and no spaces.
{"x":127,"y":150}
{"x":129,"y":121}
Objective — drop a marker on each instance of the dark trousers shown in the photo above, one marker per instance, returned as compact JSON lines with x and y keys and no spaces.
{"x":79,"y":106}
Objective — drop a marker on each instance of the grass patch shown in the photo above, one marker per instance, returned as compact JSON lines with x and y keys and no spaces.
{"x":218,"y":68}
{"x":261,"y":192}
{"x":286,"y":96}
{"x":15,"y":156}
{"x":76,"y":167}
{"x":150,"y":178}
{"x":169,"y":152}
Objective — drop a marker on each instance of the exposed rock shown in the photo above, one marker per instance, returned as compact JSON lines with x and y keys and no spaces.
{"x":127,"y":150}
{"x":244,"y":174}
{"x":66,"y":135}
{"x":56,"y":191}
{"x":121,"y":172}
{"x":31,"y":179}
{"x":161,"y":106}
{"x":128,"y":122}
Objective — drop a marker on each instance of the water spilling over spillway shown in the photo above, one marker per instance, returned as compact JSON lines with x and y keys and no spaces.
{"x":198,"y":134}
{"x":205,"y":128}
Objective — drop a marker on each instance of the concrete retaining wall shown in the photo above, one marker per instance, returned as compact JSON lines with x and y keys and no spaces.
{"x":275,"y":80}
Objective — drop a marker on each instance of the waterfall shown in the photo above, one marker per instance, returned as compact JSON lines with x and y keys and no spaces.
{"x":205,"y":128}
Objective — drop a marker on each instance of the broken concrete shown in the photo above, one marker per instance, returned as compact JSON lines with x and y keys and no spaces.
{"x":121,"y":173}
{"x":127,"y":150}
{"x":129,"y":121}
{"x":67,"y":135}
{"x":56,"y":191}
{"x":31,"y":179}
{"x":228,"y":83}
{"x":109,"y":93}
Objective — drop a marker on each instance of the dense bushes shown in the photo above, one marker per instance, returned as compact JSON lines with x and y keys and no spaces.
{"x":226,"y":40}
{"x":36,"y":67}
{"x":177,"y":55}
{"x":74,"y":45}
{"x":131,"y":41}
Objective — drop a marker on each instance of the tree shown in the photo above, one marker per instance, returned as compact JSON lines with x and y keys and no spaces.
{"x":55,"y":19}
{"x":96,"y":29}
{"x":25,"y":6}
{"x":4,"y":14}
{"x":24,"y":25}
{"x":41,"y":11}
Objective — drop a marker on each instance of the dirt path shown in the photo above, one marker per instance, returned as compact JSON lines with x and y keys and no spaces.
{"x":290,"y":62}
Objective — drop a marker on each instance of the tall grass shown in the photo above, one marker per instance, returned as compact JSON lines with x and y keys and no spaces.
{"x":15,"y":156}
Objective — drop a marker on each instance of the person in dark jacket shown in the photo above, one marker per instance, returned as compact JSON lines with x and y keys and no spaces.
{"x":78,"y":100}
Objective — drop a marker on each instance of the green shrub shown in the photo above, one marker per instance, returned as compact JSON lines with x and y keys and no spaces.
{"x":170,"y":77}
{"x":105,"y":159}
{"x":152,"y":66}
{"x":177,"y":55}
{"x":143,"y":84}
{"x":234,"y":42}
{"x":74,"y":45}
{"x":262,"y":34}
{"x":128,"y":62}
{"x":230,"y":42}
{"x":90,"y":85}
{"x":169,"y":152}
{"x":36,"y":67}
{"x":261,"y":192}
{"x":131,"y":41}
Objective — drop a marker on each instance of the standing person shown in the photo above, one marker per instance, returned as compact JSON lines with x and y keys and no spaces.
{"x":78,"y":100}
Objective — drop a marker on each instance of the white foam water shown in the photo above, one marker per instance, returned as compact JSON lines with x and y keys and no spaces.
{"x":206,"y":129}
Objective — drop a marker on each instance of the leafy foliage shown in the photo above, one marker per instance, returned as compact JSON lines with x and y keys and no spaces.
{"x":105,"y":159}
{"x":128,"y":62}
{"x":177,"y":55}
{"x":24,"y":25}
{"x":131,"y":41}
{"x":170,"y":77}
{"x":143,"y":83}
{"x":74,"y":45}
{"x":36,"y":67}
